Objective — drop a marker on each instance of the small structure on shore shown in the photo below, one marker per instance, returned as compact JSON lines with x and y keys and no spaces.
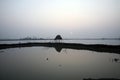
{"x":58,"y":37}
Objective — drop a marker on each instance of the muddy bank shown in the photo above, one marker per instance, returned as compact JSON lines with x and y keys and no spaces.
{"x":60,"y":46}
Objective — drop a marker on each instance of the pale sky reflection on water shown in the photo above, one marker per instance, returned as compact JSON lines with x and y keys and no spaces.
{"x":46,"y":63}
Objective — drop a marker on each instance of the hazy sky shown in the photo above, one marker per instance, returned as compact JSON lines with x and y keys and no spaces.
{"x":70,"y":18}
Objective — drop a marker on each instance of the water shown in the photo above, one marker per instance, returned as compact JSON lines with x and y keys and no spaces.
{"x":47,"y":63}
{"x":108,"y":42}
{"x":44,"y":63}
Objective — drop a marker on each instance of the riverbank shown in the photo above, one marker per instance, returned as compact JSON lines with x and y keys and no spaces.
{"x":57,"y":45}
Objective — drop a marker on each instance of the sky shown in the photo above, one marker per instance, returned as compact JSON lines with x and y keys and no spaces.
{"x":69,"y":18}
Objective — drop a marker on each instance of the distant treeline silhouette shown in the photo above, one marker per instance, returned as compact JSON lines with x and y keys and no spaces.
{"x":62,"y":39}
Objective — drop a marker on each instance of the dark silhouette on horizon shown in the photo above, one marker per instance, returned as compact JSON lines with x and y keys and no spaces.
{"x":58,"y":37}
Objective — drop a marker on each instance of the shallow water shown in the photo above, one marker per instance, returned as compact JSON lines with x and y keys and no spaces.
{"x":44,"y":63}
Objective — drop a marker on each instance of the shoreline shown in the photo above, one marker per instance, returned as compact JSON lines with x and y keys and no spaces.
{"x":58,"y":46}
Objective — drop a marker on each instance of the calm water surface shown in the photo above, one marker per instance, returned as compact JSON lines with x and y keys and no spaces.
{"x":44,"y":63}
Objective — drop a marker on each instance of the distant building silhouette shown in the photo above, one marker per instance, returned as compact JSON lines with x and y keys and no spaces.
{"x":58,"y":37}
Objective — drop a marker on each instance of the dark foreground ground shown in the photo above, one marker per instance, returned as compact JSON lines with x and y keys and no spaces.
{"x":102,"y":79}
{"x":59,"y":46}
